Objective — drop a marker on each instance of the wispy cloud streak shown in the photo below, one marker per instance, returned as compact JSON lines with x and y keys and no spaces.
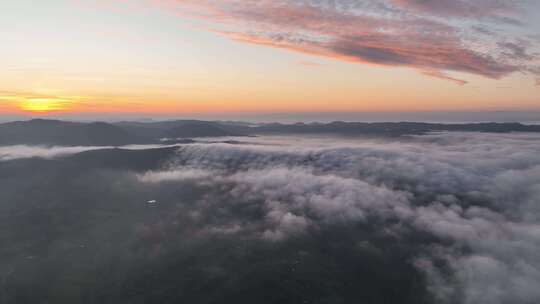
{"x":434,"y":36}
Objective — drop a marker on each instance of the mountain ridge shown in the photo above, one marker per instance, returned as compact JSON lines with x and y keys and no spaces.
{"x":58,"y":132}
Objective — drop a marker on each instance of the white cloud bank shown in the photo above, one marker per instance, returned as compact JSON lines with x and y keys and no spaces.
{"x":479,"y":194}
{"x":49,"y":152}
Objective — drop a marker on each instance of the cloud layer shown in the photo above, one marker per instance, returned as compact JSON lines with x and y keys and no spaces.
{"x":437,"y":218}
{"x":434,"y":37}
{"x":477,"y":194}
{"x":49,"y":152}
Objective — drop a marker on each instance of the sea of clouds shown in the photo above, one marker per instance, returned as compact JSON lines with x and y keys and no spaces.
{"x":465,"y":206}
{"x":477,"y":194}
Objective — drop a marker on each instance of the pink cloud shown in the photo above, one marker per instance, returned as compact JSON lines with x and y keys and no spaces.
{"x":441,"y":75}
{"x":343,"y":30}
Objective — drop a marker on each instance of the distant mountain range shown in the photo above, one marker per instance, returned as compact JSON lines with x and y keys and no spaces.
{"x":184,"y":129}
{"x":56,"y":132}
{"x":391,"y":128}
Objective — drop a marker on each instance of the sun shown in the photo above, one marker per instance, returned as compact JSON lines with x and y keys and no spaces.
{"x":43,"y":105}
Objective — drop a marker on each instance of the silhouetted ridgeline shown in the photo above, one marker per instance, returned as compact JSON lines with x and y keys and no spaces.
{"x":393,"y":128}
{"x":55,"y":132}
{"x":184,"y":129}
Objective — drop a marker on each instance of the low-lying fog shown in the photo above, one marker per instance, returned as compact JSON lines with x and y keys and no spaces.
{"x":48,"y":152}
{"x":437,"y":218}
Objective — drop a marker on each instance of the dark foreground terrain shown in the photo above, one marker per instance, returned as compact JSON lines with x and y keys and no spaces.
{"x":440,"y":218}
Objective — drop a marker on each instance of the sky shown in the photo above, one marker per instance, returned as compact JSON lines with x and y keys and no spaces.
{"x":165,"y":58}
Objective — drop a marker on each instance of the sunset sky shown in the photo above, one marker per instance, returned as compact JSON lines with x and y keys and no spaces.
{"x":163,"y":57}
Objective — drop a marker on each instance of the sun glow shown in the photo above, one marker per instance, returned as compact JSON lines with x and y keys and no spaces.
{"x":43,"y":104}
